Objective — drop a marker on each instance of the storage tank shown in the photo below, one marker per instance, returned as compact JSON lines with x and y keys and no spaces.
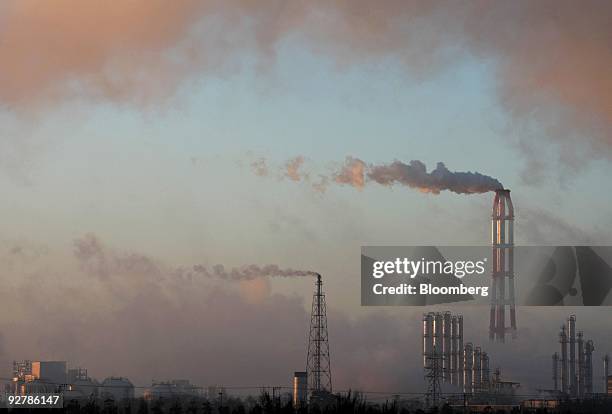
{"x":300,"y":388}
{"x":117,"y":389}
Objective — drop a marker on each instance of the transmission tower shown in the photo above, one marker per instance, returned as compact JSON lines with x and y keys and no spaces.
{"x":433,"y":375}
{"x":317,"y":362}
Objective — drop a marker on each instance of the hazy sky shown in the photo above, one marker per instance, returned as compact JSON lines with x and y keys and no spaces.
{"x":137,"y":124}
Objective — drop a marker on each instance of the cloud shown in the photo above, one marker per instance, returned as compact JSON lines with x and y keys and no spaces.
{"x":292,"y":169}
{"x":550,"y":57}
{"x":260,"y":167}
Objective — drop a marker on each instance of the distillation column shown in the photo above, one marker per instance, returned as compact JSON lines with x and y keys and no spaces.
{"x":446,"y":346}
{"x":454,"y":357}
{"x":581,"y":366}
{"x":571,"y":330}
{"x":461,"y":366}
{"x":468,"y":355}
{"x":485,"y":377}
{"x":606,"y":361}
{"x":477,"y":370}
{"x":563,"y":342}
{"x":588,"y":367}
{"x":555,"y":371}
{"x":502,"y":237}
{"x":428,"y":340}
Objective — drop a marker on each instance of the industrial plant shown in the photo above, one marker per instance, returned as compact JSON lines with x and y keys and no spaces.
{"x":459,"y":374}
{"x":573,"y":367}
{"x":465,"y":367}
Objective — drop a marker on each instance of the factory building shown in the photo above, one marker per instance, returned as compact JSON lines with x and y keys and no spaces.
{"x":80,"y":386}
{"x":573,"y":367}
{"x":172,"y":389}
{"x":37,"y":377}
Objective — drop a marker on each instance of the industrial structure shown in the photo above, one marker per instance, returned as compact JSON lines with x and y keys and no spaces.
{"x":575,"y":364}
{"x":464,"y":367}
{"x":502,"y":277}
{"x":300,"y":389}
{"x":447,"y":360}
{"x":443,"y":341}
{"x":171,"y":389}
{"x":31,"y":377}
{"x":318,"y":365}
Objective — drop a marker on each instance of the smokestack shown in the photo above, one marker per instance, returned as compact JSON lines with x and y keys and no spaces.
{"x":468,"y":363}
{"x":581,"y":367}
{"x":502,"y":237}
{"x":571,"y":329}
{"x":555,"y":371}
{"x":563,"y":342}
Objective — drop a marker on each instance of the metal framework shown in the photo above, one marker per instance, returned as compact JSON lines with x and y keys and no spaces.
{"x":433,"y":376}
{"x":442,"y":334}
{"x":575,"y":365}
{"x":318,"y":361}
{"x":502,"y":278}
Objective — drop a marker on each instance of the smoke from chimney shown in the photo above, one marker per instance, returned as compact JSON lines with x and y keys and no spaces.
{"x":247,"y":272}
{"x":103,"y":263}
{"x":357,"y":173}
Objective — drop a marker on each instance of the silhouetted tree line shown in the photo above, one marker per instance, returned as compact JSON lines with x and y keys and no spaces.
{"x":351,"y":403}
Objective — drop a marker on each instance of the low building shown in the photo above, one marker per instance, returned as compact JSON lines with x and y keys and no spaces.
{"x":117,"y":389}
